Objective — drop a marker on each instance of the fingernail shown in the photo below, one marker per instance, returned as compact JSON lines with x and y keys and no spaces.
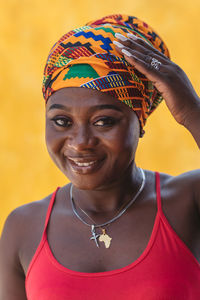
{"x":121,"y":37}
{"x":132,"y":36}
{"x":118,"y":44}
{"x":127,"y":53}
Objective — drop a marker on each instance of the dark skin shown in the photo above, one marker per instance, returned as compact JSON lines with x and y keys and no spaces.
{"x":107,"y":137}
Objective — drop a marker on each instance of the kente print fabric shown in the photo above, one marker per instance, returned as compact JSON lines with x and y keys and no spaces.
{"x":86,"y":57}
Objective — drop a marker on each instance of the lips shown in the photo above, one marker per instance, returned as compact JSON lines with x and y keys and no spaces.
{"x":85,"y":165}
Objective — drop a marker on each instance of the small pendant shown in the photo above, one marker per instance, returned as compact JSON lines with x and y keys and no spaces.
{"x":94,"y":235}
{"x":105,"y":238}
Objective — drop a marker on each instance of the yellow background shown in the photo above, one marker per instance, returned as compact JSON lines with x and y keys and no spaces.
{"x":28,"y":30}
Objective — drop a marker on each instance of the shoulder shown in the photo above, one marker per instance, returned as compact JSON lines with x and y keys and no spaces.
{"x":23,"y":231}
{"x":19,"y":225}
{"x":189,"y":180}
{"x":23,"y":217}
{"x":185,"y":185}
{"x":28,"y":212}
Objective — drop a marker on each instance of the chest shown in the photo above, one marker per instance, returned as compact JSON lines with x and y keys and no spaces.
{"x":102,"y":249}
{"x":129,"y":237}
{"x":73,"y":245}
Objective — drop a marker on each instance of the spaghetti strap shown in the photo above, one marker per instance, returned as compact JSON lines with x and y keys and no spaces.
{"x":158,"y":196}
{"x":50,"y":209}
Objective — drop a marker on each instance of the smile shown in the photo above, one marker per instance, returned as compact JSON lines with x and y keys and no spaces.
{"x":84,"y":164}
{"x":84,"y":167}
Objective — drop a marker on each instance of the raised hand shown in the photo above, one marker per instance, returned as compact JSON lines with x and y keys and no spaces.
{"x":169,"y":79}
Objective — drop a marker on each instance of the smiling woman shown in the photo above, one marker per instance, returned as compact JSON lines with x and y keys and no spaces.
{"x":90,"y":132}
{"x":116,"y":231}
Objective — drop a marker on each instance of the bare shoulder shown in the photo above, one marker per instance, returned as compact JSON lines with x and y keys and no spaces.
{"x":23,"y":224}
{"x":191,"y":180}
{"x":22,"y":217}
{"x":18,"y":228}
{"x":185,"y":186}
{"x":187,"y":180}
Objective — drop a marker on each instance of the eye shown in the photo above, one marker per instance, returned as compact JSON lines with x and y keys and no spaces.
{"x":106,"y":122}
{"x":62,"y":122}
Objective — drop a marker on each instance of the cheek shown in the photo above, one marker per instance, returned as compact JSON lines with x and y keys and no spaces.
{"x":133,"y":133}
{"x":132,"y":139}
{"x":123,"y":143}
{"x":53,"y":140}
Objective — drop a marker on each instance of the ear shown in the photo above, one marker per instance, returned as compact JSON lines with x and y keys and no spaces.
{"x":142,"y":132}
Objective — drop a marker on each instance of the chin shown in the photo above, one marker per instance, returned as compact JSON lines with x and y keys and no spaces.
{"x":93,"y":182}
{"x":84,"y":183}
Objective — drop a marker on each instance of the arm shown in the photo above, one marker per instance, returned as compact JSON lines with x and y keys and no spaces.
{"x":12,"y":278}
{"x":193,"y":125}
{"x":176,"y":89}
{"x":170,"y":80}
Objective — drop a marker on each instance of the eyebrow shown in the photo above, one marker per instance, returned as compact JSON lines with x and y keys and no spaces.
{"x":92,"y":109}
{"x":58,"y":106}
{"x":105,"y":106}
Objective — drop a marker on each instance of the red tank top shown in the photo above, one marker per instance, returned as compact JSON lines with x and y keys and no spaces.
{"x":165,"y":270}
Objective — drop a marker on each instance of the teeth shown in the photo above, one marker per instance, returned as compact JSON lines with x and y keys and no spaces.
{"x":84,"y":164}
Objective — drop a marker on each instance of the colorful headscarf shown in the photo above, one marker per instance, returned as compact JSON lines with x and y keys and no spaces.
{"x":86,"y":57}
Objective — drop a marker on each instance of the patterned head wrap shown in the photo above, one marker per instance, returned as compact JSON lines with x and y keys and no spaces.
{"x":86,"y":57}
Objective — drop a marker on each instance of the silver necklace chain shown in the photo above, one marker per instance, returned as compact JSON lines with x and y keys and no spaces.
{"x":114,"y":218}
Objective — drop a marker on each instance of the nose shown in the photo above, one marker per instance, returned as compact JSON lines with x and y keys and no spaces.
{"x":82,"y":139}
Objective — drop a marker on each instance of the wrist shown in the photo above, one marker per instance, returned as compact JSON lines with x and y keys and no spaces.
{"x":193,"y":117}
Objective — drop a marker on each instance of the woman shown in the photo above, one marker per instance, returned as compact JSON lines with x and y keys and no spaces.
{"x":116,"y":231}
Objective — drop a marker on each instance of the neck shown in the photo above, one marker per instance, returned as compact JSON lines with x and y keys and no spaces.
{"x":108,"y":200}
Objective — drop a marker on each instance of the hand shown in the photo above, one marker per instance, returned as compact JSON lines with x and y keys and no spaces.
{"x":169,"y":79}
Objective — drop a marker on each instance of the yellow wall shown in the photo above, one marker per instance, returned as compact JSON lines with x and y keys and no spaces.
{"x":28,"y":30}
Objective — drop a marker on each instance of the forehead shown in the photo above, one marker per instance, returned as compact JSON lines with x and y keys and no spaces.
{"x":85,"y":97}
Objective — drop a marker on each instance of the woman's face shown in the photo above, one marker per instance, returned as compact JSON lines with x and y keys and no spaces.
{"x":91,"y":136}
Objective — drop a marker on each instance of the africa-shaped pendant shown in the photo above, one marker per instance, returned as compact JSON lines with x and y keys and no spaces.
{"x":105,"y":238}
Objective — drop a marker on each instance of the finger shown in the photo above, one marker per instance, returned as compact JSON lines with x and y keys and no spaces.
{"x":143,"y":65}
{"x":148,"y":46}
{"x":139,"y":44}
{"x":132,"y":51}
{"x":145,"y":57}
